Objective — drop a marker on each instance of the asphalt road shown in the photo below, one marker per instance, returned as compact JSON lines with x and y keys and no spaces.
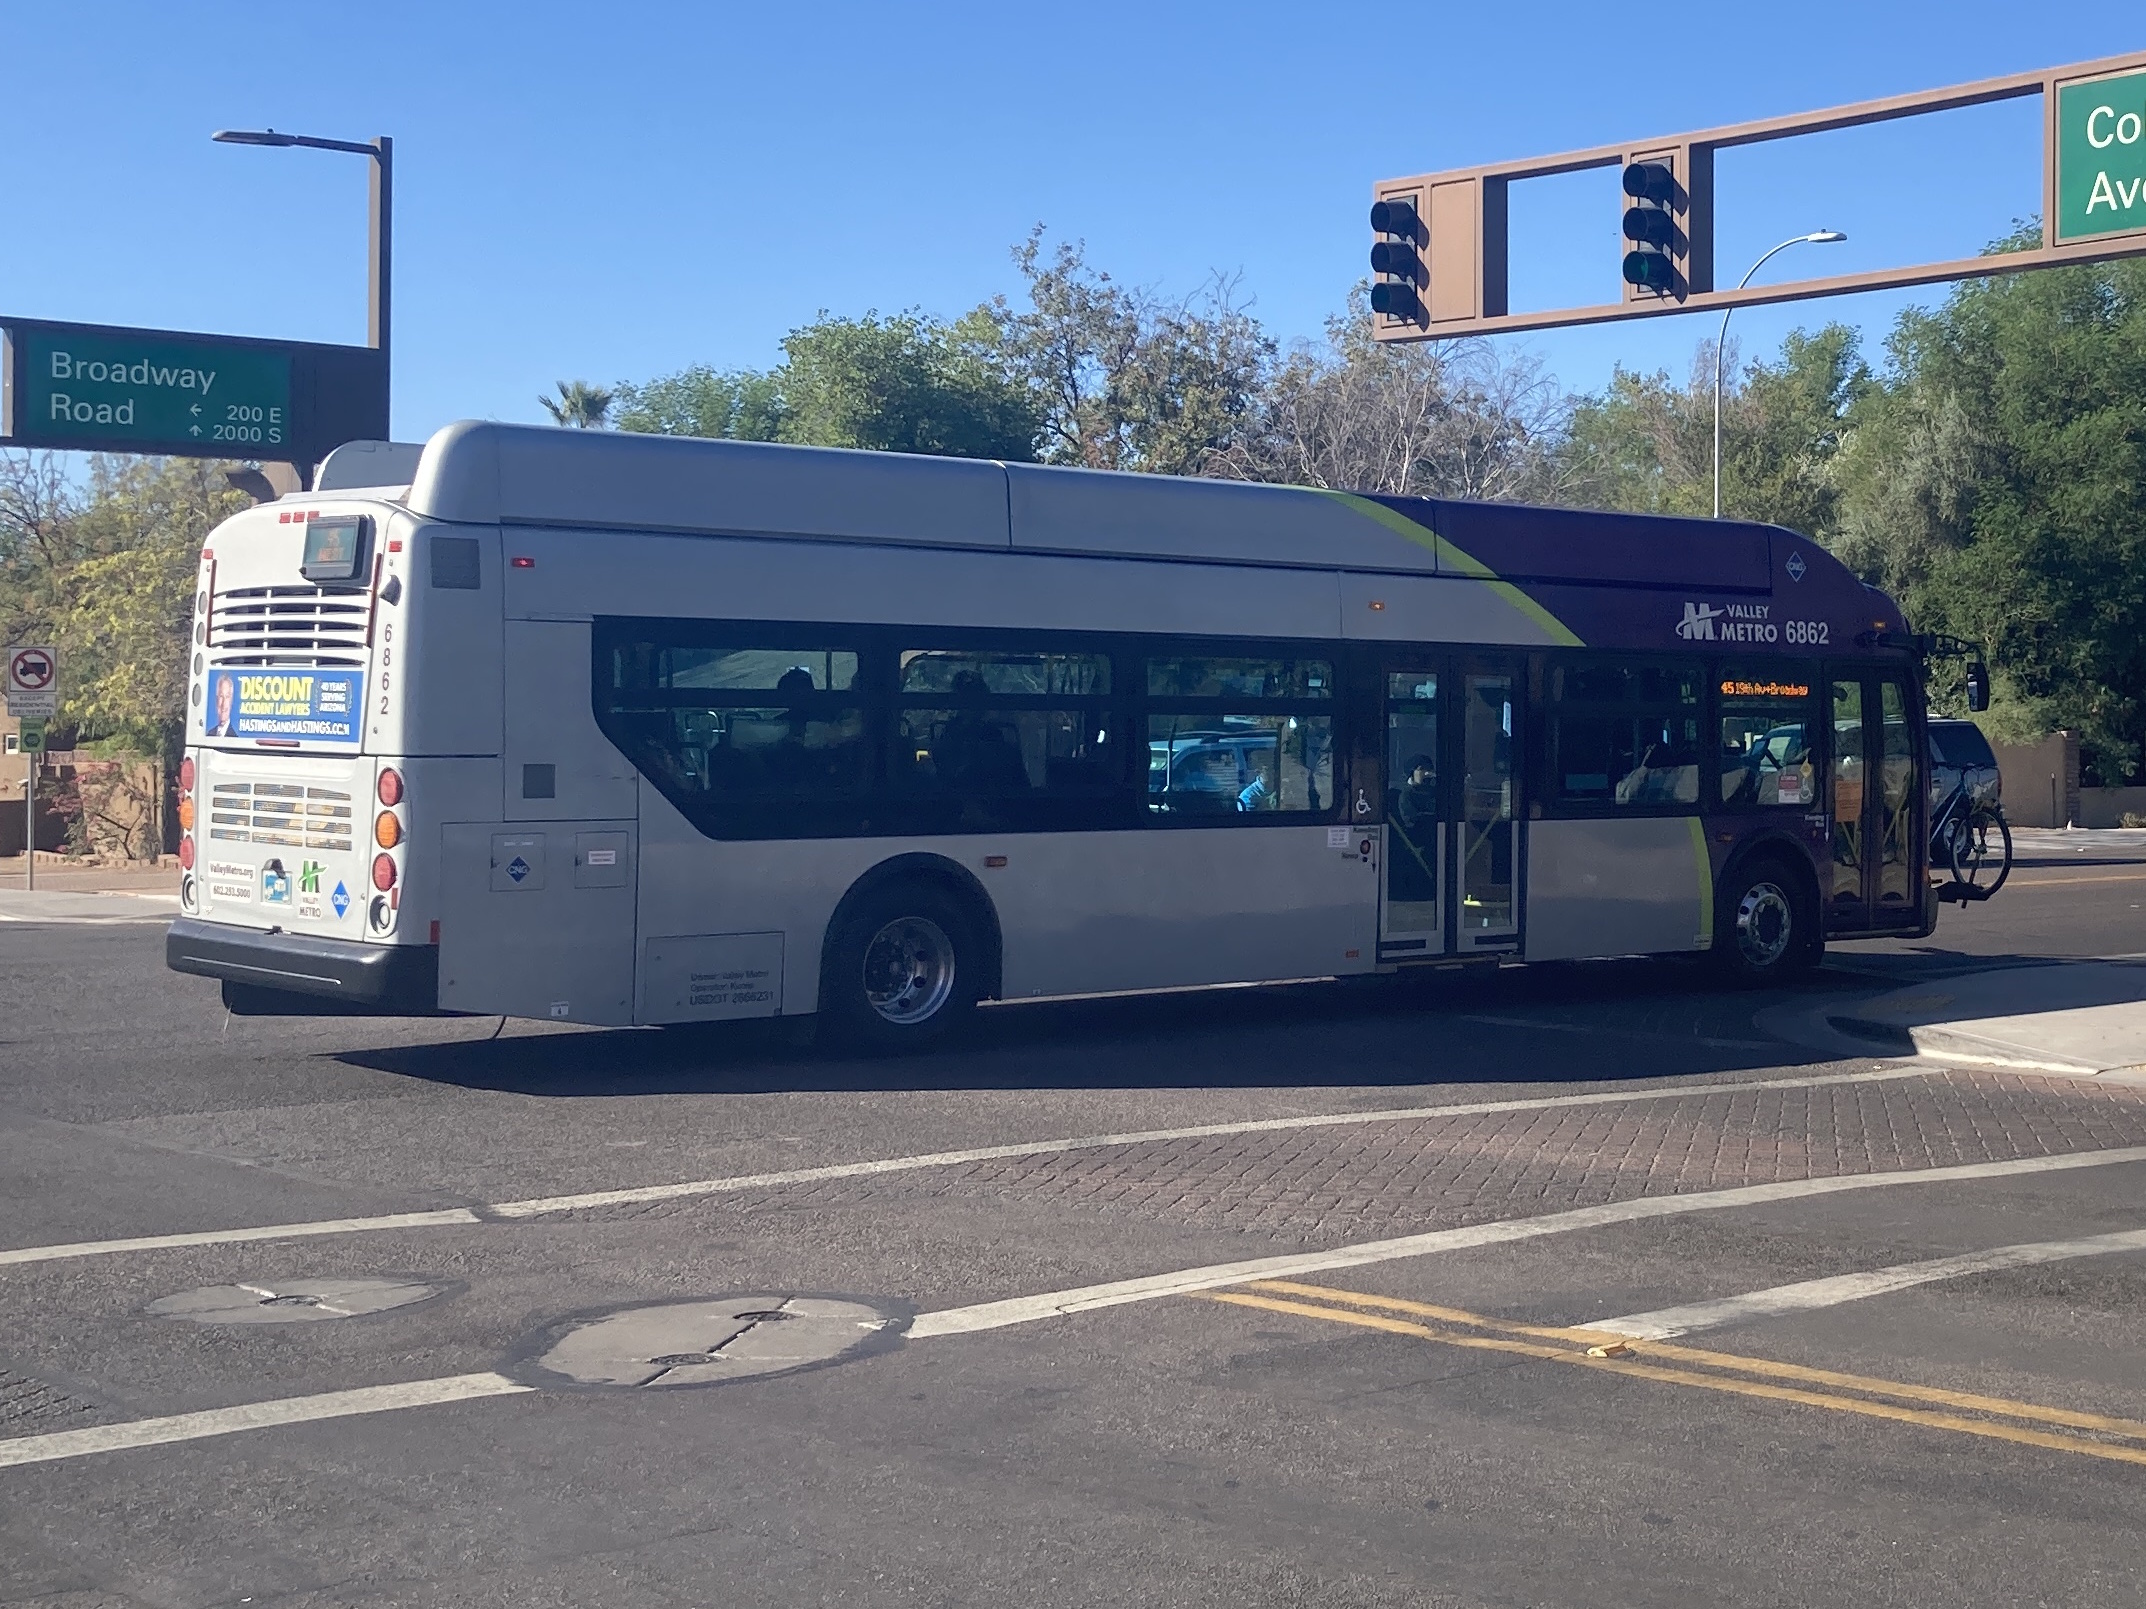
{"x":1276,"y":1296}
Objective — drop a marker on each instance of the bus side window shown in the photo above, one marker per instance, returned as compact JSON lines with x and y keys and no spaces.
{"x":719,"y":722}
{"x":1001,"y":723}
{"x":1234,"y":738}
{"x":1623,"y":734}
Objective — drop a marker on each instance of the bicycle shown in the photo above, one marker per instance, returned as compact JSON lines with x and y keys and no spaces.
{"x":1971,"y":839}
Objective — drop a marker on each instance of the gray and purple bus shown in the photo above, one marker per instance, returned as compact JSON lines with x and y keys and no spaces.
{"x":620,"y":729}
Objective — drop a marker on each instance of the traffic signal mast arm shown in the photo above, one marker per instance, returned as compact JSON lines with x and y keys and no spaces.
{"x":1451,"y":278}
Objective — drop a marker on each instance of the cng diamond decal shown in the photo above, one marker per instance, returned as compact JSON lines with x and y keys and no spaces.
{"x":340,"y":899}
{"x":517,"y":868}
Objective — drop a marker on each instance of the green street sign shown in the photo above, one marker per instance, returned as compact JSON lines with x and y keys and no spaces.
{"x":154,"y":392}
{"x":107,"y":388}
{"x":2101,"y":157}
{"x":33,"y":736}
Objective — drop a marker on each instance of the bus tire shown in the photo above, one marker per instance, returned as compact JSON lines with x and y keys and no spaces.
{"x":1765,"y":924}
{"x":904,"y":968}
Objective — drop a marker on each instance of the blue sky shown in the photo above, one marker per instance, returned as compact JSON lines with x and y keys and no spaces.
{"x":616,"y":191}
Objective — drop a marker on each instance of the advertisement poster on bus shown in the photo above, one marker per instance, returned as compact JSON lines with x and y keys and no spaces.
{"x":285,"y":706}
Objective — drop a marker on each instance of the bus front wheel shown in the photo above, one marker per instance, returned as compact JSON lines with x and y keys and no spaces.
{"x":903,"y":968}
{"x":1765,"y":925}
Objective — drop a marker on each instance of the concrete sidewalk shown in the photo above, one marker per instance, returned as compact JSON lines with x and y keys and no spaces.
{"x":2084,"y":1018}
{"x":61,"y":905}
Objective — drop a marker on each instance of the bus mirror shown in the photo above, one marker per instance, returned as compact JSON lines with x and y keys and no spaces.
{"x":1978,"y":687}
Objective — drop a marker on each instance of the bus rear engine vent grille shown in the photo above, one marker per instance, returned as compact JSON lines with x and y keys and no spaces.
{"x":286,"y":813}
{"x":288,"y":626}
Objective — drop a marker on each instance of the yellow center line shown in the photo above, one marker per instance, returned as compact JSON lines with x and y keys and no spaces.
{"x":2018,"y":881}
{"x":1708,"y":1382}
{"x":2007,"y":1406}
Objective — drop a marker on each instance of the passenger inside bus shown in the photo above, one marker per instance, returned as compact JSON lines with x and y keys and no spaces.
{"x":973,"y":753}
{"x":1413,"y":811}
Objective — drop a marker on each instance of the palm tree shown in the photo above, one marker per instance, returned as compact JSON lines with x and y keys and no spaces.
{"x":579,"y":404}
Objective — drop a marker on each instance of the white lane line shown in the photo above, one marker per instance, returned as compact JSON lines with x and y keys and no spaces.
{"x":1090,"y":1142}
{"x":226,"y":1237}
{"x":61,"y":1444}
{"x":1084,"y":1298}
{"x":541,"y":1205}
{"x":1811,"y":1294}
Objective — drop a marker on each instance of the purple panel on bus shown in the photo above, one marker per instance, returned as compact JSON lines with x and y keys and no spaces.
{"x":1658,"y":582}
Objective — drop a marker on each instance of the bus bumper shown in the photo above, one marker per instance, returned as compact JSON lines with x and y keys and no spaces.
{"x":402,"y":978}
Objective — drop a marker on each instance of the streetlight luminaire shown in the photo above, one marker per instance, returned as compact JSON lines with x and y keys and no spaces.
{"x":382,"y":152}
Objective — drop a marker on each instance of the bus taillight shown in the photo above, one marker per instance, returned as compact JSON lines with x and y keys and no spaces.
{"x":186,"y":832}
{"x":391,"y":786}
{"x":387,"y":830}
{"x":383,"y":872}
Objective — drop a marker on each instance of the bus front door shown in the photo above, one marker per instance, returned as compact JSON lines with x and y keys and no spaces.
{"x":1876,"y":798}
{"x":1453,"y":817}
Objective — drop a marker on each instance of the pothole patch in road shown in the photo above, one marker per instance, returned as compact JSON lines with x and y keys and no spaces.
{"x":680,"y":1345}
{"x":302,"y":1301}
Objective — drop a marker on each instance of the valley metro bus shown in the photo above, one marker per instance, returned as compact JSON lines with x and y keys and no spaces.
{"x":620,"y":729}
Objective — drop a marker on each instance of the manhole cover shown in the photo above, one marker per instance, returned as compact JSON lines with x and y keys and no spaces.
{"x":706,"y":1343}
{"x":298,"y":1302}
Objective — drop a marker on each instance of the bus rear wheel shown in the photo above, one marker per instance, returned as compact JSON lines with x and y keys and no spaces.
{"x":902,"y":969}
{"x":1765,"y":925}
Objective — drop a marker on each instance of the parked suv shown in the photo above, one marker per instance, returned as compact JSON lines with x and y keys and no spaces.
{"x":1958,"y":751}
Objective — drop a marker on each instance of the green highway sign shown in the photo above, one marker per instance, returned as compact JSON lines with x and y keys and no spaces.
{"x":154,"y":391}
{"x":2101,"y":157}
{"x":107,"y":388}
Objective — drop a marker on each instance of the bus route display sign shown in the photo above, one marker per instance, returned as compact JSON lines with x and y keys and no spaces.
{"x":109,"y":388}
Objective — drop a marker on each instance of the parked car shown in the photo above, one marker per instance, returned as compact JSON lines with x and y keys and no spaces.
{"x":1958,"y":751}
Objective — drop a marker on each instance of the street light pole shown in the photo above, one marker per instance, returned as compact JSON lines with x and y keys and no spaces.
{"x":1817,"y":237}
{"x":381,"y":209}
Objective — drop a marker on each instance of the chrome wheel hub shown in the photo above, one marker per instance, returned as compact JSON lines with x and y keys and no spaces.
{"x":908,"y":970}
{"x":1765,"y":925}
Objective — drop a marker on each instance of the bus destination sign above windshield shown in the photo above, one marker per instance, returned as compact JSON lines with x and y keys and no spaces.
{"x":2101,"y":157}
{"x":105,"y":388}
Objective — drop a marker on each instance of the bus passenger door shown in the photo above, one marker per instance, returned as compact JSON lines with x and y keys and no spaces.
{"x":1453,"y":818}
{"x":1488,"y":821}
{"x":1412,"y":914}
{"x":1877,"y":791}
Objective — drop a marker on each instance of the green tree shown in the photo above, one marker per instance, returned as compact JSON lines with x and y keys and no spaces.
{"x":1120,"y":378}
{"x":579,"y":404}
{"x":107,"y":571}
{"x":901,"y":384}
{"x":1998,"y":484}
{"x":734,"y":404}
{"x":1428,"y":419}
{"x":1647,"y":444}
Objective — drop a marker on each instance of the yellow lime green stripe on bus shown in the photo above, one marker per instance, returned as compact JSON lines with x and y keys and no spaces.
{"x":1706,"y":884}
{"x":1451,"y":558}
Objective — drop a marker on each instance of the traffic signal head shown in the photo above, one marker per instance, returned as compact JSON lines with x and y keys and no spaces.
{"x":1655,"y":243}
{"x":1650,"y":181}
{"x":1397,"y":260}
